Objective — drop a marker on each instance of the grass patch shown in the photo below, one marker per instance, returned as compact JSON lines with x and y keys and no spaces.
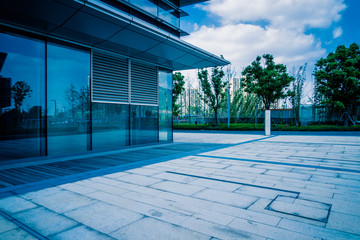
{"x":260,"y":127}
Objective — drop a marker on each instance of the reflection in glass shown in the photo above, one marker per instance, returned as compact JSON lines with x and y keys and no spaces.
{"x":144,"y":124}
{"x":68,"y":102}
{"x":165,"y":106}
{"x":110,"y":125}
{"x":22,"y":78}
{"x":146,"y":5}
{"x":169,"y":14}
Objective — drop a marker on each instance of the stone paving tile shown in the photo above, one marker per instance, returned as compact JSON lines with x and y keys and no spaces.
{"x":347,"y":207}
{"x":288,"y":175}
{"x":149,"y":229}
{"x":63,"y":201}
{"x":144,"y":171}
{"x":15,"y":204}
{"x":338,"y":181}
{"x":80,"y":233}
{"x":177,"y":187}
{"x":224,"y":186}
{"x":41,"y":193}
{"x":16,"y":234}
{"x":315,"y":231}
{"x":266,"y":230}
{"x":77,"y":188}
{"x":174,"y":177}
{"x":217,"y":230}
{"x":299,"y":210}
{"x":245,"y":214}
{"x":158,"y":212}
{"x":103,"y":217}
{"x":107,"y":181}
{"x":44,"y":221}
{"x":212,"y":165}
{"x":352,"y":197}
{"x":155,"y":201}
{"x":139,"y":179}
{"x":95,"y":186}
{"x":6,"y":225}
{"x":264,"y":193}
{"x":233,"y":199}
{"x":344,"y":222}
{"x":186,"y":203}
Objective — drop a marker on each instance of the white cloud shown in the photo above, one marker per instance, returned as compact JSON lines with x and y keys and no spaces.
{"x":337,"y":32}
{"x":241,"y":43}
{"x":294,"y":14}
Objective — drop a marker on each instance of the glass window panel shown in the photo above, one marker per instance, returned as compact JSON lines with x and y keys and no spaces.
{"x":22,"y":98}
{"x":165,"y":106}
{"x":169,"y":14}
{"x":110,"y":125}
{"x":146,"y":5}
{"x":144,"y":124}
{"x":68,"y":99}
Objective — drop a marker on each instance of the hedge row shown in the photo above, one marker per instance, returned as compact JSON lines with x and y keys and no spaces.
{"x":260,"y":127}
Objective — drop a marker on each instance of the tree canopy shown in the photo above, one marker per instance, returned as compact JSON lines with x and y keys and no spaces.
{"x":178,"y":87}
{"x":20,"y":91}
{"x":337,"y":79}
{"x":213,"y":88}
{"x":268,"y":82}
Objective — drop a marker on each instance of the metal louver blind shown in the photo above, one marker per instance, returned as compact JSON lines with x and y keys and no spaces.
{"x":144,"y":84}
{"x":110,"y":78}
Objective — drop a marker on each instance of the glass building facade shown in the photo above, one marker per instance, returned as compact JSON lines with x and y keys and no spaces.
{"x":80,"y":76}
{"x":48,"y":107}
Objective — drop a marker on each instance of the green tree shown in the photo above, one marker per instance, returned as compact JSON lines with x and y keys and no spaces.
{"x":268,"y":82}
{"x":20,"y":90}
{"x":244,"y":104}
{"x":178,"y":88}
{"x":296,"y":90}
{"x":212,"y":88}
{"x":337,"y":81}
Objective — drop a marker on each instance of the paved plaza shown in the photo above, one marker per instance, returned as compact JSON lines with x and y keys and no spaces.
{"x":206,"y":185}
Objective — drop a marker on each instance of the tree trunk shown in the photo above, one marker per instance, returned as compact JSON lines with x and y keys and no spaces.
{"x":216,"y":120}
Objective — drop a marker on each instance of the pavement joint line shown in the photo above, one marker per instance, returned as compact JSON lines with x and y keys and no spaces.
{"x":233,"y":182}
{"x":314,"y":143}
{"x":23,"y":226}
{"x":327,"y":159}
{"x":284,"y":163}
{"x":324,"y":220}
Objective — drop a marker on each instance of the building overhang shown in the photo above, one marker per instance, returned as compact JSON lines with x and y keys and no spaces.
{"x":98,"y":25}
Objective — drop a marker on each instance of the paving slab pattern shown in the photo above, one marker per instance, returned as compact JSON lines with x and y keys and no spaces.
{"x":204,"y":186}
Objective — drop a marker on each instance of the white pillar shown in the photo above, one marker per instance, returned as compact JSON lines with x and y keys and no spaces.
{"x":228,"y":91}
{"x":267,"y":123}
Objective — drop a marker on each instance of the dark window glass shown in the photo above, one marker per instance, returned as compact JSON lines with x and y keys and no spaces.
{"x":22,"y":98}
{"x":165,"y":106}
{"x":68,"y":99}
{"x":110,"y":125}
{"x":144,"y":124}
{"x":146,"y":5}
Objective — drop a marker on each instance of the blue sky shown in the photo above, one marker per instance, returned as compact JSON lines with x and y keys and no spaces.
{"x":294,"y":31}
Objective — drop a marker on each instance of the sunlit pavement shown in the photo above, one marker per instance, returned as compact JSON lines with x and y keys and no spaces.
{"x":244,"y":186}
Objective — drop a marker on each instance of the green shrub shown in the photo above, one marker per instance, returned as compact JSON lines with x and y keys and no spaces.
{"x":260,"y":127}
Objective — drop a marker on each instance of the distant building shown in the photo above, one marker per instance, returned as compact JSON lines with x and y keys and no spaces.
{"x":235,"y":84}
